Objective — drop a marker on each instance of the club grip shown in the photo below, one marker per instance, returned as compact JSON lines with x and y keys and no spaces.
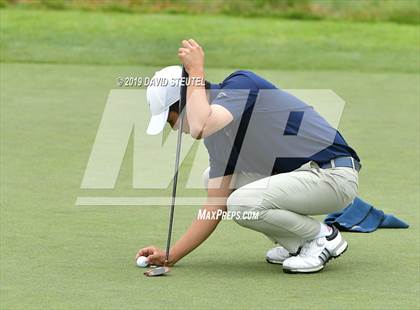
{"x":183,"y":91}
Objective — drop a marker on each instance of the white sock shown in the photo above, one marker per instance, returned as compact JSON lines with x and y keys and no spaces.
{"x":324,"y":231}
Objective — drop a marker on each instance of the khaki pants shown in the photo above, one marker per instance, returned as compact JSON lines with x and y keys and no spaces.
{"x":285,"y":201}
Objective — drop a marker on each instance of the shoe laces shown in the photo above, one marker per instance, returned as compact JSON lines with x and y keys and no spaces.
{"x":312,"y":246}
{"x":280,"y":251}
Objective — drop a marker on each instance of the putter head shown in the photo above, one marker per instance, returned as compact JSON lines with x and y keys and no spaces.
{"x":157,"y":271}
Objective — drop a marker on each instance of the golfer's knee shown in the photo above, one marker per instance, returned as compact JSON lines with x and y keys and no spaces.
{"x":233,"y":202}
{"x":239,"y":204}
{"x":245,"y":199}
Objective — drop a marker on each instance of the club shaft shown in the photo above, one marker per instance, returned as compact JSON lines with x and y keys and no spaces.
{"x":174,"y":187}
{"x":182,"y":103}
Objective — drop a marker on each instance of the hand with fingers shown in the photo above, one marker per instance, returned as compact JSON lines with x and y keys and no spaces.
{"x":155,"y":256}
{"x":192,"y":57}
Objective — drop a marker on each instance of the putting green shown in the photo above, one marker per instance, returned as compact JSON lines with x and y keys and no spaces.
{"x":58,"y":256}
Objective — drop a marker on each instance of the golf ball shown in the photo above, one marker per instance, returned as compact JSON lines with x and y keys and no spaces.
{"x":142,"y":261}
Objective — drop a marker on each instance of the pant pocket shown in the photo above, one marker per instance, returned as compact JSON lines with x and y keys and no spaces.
{"x":347,"y":183}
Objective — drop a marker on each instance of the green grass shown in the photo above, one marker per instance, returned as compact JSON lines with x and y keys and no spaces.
{"x":55,"y":255}
{"x":98,"y":38}
{"x":399,"y":11}
{"x":58,"y":256}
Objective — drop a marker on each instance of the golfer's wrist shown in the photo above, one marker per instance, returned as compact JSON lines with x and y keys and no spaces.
{"x":172,"y":258}
{"x":196,"y":73}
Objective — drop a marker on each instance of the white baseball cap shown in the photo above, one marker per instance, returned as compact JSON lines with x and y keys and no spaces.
{"x":162,"y":92}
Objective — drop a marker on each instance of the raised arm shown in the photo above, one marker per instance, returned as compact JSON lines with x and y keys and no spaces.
{"x":199,"y":230}
{"x":203,"y":119}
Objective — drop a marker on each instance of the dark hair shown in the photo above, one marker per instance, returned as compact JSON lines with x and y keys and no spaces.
{"x":174,"y":107}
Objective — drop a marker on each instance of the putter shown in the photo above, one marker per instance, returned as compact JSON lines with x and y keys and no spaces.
{"x":158,"y":271}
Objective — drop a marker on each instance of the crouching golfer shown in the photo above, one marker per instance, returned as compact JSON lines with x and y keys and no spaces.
{"x":269,"y":153}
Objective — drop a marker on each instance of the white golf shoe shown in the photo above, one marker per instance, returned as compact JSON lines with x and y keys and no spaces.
{"x":316,"y":253}
{"x":277,"y":255}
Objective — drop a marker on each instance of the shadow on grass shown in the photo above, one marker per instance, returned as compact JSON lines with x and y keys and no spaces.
{"x":343,"y":267}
